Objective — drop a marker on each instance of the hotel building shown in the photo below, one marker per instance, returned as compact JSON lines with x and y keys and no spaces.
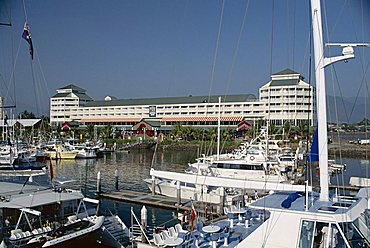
{"x":285,"y":98}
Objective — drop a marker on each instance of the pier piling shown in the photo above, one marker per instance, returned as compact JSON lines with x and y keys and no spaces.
{"x":98,"y":183}
{"x":178,"y":187}
{"x":153,"y":185}
{"x":144,"y":222}
{"x":116,"y":177}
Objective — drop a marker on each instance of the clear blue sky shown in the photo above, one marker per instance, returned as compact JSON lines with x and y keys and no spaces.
{"x":160,"y":48}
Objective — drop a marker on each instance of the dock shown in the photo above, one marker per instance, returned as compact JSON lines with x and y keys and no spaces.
{"x":159,"y":201}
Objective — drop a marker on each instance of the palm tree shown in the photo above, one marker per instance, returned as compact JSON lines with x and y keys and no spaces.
{"x":89,"y":131}
{"x":177,"y":130}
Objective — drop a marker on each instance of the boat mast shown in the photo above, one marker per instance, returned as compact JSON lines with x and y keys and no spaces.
{"x":320,"y":63}
{"x":320,"y":98}
{"x":218,"y":128}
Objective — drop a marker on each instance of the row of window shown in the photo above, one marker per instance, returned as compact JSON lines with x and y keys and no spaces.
{"x":286,"y":89}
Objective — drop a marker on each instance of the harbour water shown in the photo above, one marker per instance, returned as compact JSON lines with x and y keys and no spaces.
{"x":133,"y":167}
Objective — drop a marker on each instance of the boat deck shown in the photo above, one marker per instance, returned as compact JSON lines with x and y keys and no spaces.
{"x":158,"y":201}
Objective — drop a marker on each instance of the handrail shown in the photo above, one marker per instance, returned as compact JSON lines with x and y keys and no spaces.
{"x":164,"y":223}
{"x":141,"y":228}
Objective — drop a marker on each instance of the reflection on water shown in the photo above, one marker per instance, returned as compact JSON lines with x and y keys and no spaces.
{"x":132,"y":168}
{"x":355,"y":168}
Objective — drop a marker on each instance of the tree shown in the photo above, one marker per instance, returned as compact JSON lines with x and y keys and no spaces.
{"x":26,"y":115}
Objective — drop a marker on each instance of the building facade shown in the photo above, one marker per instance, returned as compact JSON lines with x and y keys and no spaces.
{"x":65,"y":102}
{"x":286,"y":97}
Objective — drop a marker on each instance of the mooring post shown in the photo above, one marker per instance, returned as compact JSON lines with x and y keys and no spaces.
{"x":222,"y":199}
{"x":243,"y":198}
{"x":178,"y":187}
{"x":153,"y":185}
{"x":116,"y":176}
{"x":98,"y":183}
{"x":144,"y":222}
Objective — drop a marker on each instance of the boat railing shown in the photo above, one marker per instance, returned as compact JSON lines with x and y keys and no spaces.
{"x":143,"y":233}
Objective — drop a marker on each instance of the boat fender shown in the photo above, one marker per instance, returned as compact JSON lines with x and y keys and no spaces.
{"x":208,"y":210}
{"x":184,"y":217}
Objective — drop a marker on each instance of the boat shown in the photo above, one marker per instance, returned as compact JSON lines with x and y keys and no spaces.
{"x":249,"y":170}
{"x":290,"y":219}
{"x":35,"y":217}
{"x":82,"y":150}
{"x":59,"y":152}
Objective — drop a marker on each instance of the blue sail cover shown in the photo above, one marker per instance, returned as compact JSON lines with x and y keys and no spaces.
{"x":314,"y":152}
{"x":291,"y":198}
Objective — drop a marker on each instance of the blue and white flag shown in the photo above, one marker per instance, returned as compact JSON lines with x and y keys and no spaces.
{"x":27,"y":36}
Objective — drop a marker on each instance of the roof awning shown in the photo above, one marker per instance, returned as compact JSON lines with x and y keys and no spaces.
{"x":31,"y":211}
{"x":111,"y":120}
{"x":202,"y":119}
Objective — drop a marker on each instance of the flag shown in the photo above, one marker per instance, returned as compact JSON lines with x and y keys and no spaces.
{"x":27,"y":36}
{"x":243,"y":126}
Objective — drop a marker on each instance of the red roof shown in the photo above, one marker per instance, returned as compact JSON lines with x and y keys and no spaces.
{"x":202,"y":119}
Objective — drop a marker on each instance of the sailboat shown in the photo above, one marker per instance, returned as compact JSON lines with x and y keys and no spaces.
{"x":295,"y":219}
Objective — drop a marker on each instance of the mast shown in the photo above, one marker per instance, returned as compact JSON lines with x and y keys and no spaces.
{"x":320,"y":98}
{"x":218,"y":128}
{"x":320,"y":63}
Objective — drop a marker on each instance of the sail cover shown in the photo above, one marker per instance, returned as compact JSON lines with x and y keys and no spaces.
{"x":314,"y":152}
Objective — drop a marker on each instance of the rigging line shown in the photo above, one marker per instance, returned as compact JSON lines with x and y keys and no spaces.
{"x":24,"y":11}
{"x":236,"y":49}
{"x":340,"y":91}
{"x":338,"y":16}
{"x":12,"y":75}
{"x":34,"y":83}
{"x":216,"y":49}
{"x":336,"y":112}
{"x":272,"y":34}
{"x":359,"y":89}
{"x":294,"y":21}
{"x":13,"y":61}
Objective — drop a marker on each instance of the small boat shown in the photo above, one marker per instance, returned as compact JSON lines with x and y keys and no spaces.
{"x":84,"y":232}
{"x":59,"y":152}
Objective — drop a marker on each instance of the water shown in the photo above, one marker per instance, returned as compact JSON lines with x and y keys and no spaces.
{"x":133,"y":167}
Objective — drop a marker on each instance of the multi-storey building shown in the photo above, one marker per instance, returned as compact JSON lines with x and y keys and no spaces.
{"x":65,"y":102}
{"x":285,"y":98}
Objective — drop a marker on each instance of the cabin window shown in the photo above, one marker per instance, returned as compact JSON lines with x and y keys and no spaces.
{"x":320,"y":235}
{"x":357,"y":232}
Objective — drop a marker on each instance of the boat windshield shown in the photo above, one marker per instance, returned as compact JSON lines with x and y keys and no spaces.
{"x":358,"y":232}
{"x":320,"y":234}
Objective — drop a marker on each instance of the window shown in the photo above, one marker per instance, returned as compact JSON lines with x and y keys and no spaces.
{"x":320,"y":234}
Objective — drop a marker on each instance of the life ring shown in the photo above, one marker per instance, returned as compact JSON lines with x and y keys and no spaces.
{"x":251,"y":158}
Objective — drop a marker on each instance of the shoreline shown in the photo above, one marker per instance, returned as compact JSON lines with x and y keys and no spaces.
{"x":344,"y":149}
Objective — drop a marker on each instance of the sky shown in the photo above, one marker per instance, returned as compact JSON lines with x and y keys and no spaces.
{"x":166,"y":48}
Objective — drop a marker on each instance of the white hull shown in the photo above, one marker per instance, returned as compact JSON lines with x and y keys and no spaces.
{"x":259,"y":186}
{"x":189,"y":193}
{"x":85,"y":154}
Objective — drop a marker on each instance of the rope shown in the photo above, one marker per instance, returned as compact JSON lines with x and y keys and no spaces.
{"x":272,"y":34}
{"x":216,"y":50}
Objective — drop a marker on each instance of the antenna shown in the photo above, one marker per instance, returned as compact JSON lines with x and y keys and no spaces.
{"x":347,"y":52}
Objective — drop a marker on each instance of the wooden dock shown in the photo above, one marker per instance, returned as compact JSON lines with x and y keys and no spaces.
{"x":158,"y":201}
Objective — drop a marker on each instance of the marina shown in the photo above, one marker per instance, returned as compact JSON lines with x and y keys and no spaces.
{"x":123,"y":172}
